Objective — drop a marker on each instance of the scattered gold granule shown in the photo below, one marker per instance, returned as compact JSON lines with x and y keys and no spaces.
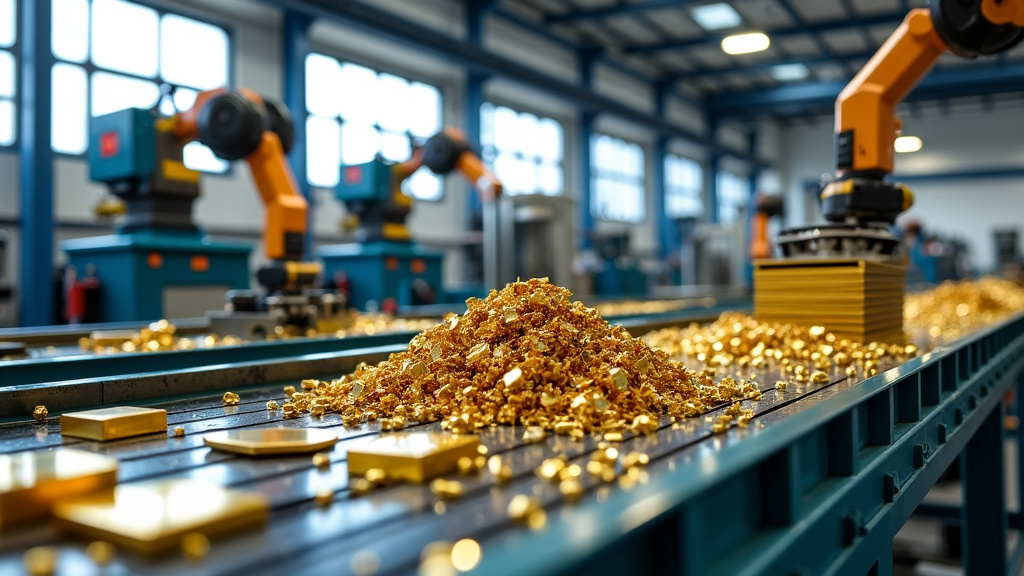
{"x":40,"y":413}
{"x":230,"y":399}
{"x":179,"y":432}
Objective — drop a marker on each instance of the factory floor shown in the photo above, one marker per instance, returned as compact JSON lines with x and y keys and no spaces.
{"x":922,"y":547}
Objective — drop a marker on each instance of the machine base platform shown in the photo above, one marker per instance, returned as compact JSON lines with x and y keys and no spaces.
{"x":140,"y":271}
{"x":377,"y":271}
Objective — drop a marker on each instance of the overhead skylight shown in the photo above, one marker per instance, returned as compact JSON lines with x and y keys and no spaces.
{"x":713,"y":17}
{"x":745,"y":43}
{"x":790,"y":72}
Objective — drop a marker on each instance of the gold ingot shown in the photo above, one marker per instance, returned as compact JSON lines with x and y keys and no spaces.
{"x":152,"y":517}
{"x":269,"y":441}
{"x":112,"y":423}
{"x":30,"y":482}
{"x":413,"y":456}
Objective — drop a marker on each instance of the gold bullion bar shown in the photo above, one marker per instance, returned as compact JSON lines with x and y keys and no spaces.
{"x":413,"y":456}
{"x":30,"y":482}
{"x":152,"y":517}
{"x":113,"y":423}
{"x":269,"y":441}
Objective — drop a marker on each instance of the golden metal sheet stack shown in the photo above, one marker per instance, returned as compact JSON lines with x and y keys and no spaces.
{"x":856,"y":298}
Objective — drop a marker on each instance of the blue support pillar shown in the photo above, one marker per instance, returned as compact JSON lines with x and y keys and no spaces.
{"x":296,"y":46}
{"x":473,"y":100}
{"x":755,"y":172}
{"x":584,"y":134}
{"x":667,"y":238}
{"x":36,"y":166}
{"x":714,"y":165}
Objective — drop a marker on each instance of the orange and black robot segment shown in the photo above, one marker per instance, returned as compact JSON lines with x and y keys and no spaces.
{"x":866,"y":122}
{"x":768,"y":206}
{"x":242,"y":124}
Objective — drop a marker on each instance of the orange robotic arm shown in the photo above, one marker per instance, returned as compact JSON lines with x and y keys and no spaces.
{"x":242,"y":124}
{"x":866,"y":122}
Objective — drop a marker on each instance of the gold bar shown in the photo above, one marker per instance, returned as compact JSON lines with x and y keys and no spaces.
{"x":152,"y":517}
{"x":113,"y":423}
{"x":268,"y":441}
{"x":414,"y":456}
{"x":31,"y":482}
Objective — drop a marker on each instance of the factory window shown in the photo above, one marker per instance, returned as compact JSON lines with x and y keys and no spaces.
{"x":684,"y":180}
{"x":114,"y":54}
{"x":733,"y":196}
{"x":525,"y":151}
{"x":8,"y":72}
{"x":617,"y":176}
{"x":356,"y":113}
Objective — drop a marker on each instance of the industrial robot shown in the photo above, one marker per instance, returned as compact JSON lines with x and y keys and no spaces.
{"x":138,"y":154}
{"x":385,"y":266}
{"x":768,"y":206}
{"x":859,"y":203}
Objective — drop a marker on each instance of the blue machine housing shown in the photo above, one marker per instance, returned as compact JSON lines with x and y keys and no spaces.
{"x":122,"y":145}
{"x":381,"y":269}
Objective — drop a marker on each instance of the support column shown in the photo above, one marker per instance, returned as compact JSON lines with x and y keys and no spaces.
{"x":296,"y":47}
{"x":36,"y":166}
{"x":586,"y":58}
{"x":667,"y":237}
{"x":714,"y":165}
{"x":983,"y":515}
{"x":755,"y":172}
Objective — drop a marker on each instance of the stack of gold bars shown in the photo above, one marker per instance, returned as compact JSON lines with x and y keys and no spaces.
{"x":857,"y":298}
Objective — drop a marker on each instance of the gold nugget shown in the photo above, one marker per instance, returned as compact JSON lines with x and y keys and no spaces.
{"x":40,"y":413}
{"x":230,"y":399}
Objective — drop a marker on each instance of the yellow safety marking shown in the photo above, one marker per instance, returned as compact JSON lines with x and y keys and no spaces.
{"x":174,"y":170}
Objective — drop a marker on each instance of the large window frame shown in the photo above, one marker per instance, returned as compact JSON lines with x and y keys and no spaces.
{"x":733,"y":194}
{"x":13,"y":101}
{"x":539,"y":169}
{"x":618,"y":175}
{"x":423,"y":185}
{"x":683,"y":187}
{"x":184,"y":94}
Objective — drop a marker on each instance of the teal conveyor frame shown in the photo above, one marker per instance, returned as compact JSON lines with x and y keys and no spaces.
{"x":822,"y":490}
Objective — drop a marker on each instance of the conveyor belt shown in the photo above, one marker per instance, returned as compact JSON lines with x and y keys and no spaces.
{"x":395,"y":522}
{"x":957,"y":386}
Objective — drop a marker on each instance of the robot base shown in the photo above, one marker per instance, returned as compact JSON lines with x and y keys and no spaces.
{"x":136,"y":270}
{"x":377,"y":271}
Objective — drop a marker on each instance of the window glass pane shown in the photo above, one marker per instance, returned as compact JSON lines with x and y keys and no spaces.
{"x":617,"y":170}
{"x":193,"y":53}
{"x":357,"y":99}
{"x":8,"y":28}
{"x":68,"y":117}
{"x":506,"y":168}
{"x":527,"y":139}
{"x":7,"y":74}
{"x":549,"y":139}
{"x":423,"y":185}
{"x":425,"y":110}
{"x":112,"y":92}
{"x":323,"y":85}
{"x":395,"y":147}
{"x":323,"y":156}
{"x":393,"y":103}
{"x":184,"y":99}
{"x":199,"y":157}
{"x":550,"y":179}
{"x":359,"y":143}
{"x":70,"y":30}
{"x":487,"y":125}
{"x":6,"y":123}
{"x":506,"y":129}
{"x":124,"y":37}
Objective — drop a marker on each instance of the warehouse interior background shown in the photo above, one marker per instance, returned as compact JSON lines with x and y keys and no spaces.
{"x":649,"y":58}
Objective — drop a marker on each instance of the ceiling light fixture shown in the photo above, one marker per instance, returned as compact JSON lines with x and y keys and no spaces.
{"x":790,"y":72}
{"x":905,"y":144}
{"x":745,"y":43}
{"x":713,"y":17}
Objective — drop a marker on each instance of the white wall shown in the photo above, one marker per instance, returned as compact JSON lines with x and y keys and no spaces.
{"x":965,"y":139}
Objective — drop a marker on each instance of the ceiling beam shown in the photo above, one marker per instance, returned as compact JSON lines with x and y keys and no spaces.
{"x":764,"y":65}
{"x":580,"y":15}
{"x":820,"y":97}
{"x":893,"y":18}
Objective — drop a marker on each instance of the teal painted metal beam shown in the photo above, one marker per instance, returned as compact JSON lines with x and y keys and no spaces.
{"x":296,"y":46}
{"x":620,"y":10}
{"x":36,"y":166}
{"x":819,"y":97}
{"x":893,"y":18}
